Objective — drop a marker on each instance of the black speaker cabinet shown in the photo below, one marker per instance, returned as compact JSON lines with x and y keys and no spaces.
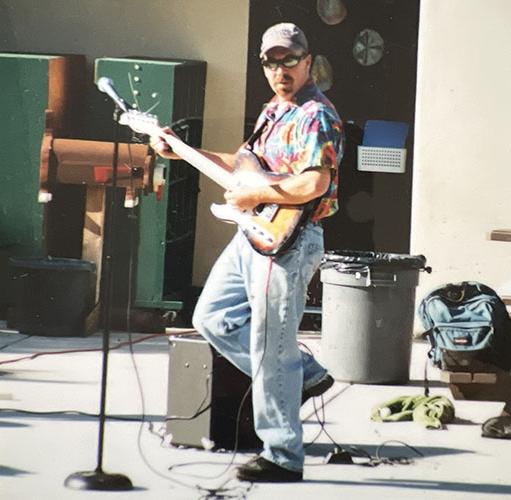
{"x":204,"y":395}
{"x":53,"y":296}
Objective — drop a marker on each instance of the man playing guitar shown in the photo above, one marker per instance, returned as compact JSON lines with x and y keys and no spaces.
{"x":252,"y":303}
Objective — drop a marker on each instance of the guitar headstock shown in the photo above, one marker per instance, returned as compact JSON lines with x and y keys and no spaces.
{"x":142,"y":123}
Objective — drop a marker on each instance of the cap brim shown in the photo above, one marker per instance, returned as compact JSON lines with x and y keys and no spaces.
{"x":284,"y":44}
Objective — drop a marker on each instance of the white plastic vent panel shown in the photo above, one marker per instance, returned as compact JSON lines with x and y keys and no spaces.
{"x":374,"y":159}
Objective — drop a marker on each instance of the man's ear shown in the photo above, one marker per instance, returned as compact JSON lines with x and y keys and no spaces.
{"x":308,"y":60}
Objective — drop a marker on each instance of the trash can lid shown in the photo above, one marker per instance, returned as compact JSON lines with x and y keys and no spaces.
{"x":373,"y":259}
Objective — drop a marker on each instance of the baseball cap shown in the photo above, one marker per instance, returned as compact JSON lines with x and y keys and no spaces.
{"x":284,"y":35}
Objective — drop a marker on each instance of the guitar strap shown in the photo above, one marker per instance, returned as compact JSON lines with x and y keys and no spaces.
{"x":254,"y":137}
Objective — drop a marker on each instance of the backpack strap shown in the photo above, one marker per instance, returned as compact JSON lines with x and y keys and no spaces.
{"x":429,"y":335}
{"x":426,"y":380}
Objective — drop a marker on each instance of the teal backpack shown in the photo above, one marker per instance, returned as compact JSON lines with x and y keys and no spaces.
{"x":466,"y":324}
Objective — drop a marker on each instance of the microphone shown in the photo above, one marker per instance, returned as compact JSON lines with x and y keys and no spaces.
{"x":106,"y":85}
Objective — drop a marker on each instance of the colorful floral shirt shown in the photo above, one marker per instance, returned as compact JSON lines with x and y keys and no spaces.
{"x":304,"y":133}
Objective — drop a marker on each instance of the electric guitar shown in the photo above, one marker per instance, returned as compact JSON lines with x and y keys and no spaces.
{"x":270,"y":228}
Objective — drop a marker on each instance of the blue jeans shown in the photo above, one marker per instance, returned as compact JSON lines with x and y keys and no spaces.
{"x":250,"y":311}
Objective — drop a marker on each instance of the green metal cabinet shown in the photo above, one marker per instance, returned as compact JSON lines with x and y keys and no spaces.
{"x":30,"y":84}
{"x":174,"y":91}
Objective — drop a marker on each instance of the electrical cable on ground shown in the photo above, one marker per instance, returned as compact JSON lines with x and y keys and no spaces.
{"x":347,"y":452}
{"x":355,"y":451}
{"x":69,"y":412}
{"x":77,"y":351}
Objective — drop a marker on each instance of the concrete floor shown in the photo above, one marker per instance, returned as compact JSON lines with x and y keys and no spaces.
{"x":39,"y":450}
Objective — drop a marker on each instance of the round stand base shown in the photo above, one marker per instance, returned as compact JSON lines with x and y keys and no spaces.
{"x":98,"y":480}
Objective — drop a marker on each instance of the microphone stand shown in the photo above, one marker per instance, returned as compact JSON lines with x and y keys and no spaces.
{"x":98,"y":479}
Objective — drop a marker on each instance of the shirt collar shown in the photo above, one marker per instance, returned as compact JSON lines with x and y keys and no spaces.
{"x":274,"y":109}
{"x":309,"y":91}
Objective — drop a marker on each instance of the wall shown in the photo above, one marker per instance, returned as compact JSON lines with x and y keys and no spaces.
{"x":189,"y":29}
{"x":462,"y":174}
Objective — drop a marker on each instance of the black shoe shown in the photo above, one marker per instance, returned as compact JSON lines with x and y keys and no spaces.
{"x":316,"y":390}
{"x":260,"y":470}
{"x":497,"y":427}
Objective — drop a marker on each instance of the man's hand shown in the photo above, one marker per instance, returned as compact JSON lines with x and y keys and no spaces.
{"x":161,"y":146}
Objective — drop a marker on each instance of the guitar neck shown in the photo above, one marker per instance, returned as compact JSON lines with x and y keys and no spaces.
{"x":212,"y":169}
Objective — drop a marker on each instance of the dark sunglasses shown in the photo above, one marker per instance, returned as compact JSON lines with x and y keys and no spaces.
{"x":287,"y":62}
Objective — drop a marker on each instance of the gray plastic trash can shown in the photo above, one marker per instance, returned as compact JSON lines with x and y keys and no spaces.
{"x":368,"y":314}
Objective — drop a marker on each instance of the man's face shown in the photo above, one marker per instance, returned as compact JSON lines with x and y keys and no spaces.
{"x":286,"y":82}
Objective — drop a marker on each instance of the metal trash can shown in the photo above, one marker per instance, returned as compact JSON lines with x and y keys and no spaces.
{"x":368,"y":314}
{"x":52,"y":296}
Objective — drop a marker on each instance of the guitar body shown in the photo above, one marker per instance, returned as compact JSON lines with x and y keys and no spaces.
{"x":272,"y":237}
{"x":270,"y":228}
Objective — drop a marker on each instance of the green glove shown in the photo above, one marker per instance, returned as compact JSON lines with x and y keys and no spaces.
{"x":433,"y":412}
{"x":395,"y":410}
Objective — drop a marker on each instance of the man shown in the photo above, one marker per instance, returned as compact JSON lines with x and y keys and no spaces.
{"x":251,"y":306}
